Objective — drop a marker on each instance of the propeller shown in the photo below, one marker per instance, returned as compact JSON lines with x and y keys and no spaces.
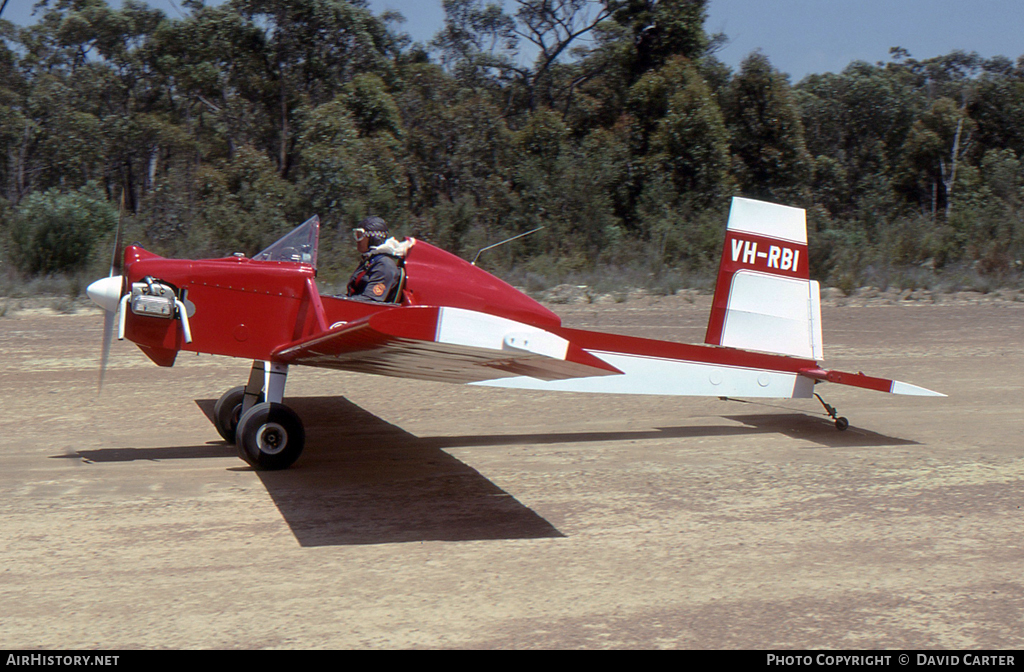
{"x":106,"y":293}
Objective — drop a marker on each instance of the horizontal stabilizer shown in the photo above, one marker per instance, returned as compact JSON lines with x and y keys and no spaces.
{"x":913,"y":390}
{"x":868,"y":382}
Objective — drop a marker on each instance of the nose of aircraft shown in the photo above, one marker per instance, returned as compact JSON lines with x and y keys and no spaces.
{"x":106,"y":292}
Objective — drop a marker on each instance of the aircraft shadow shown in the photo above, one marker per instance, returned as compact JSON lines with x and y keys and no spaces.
{"x":818,"y":429}
{"x":362,"y":480}
{"x":794,"y":425}
{"x":211,"y":449}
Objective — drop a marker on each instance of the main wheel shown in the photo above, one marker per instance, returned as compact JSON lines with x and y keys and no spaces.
{"x":228,"y":411}
{"x":270,"y":436}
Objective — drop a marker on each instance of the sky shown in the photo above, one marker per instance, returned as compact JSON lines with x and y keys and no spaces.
{"x":802,"y":37}
{"x":799,"y":37}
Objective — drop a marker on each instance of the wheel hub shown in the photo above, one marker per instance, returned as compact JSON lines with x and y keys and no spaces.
{"x":271,"y":438}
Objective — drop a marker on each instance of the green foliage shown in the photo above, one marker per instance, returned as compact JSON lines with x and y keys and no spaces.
{"x":770,"y":157}
{"x":931,"y":152}
{"x":855,"y":124}
{"x":372,"y":107}
{"x":347,"y":176}
{"x":55,"y":232}
{"x":662,"y":30}
{"x":690,"y":143}
{"x":246,"y":204}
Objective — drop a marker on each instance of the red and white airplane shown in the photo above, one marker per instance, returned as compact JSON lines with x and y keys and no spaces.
{"x":453,"y":322}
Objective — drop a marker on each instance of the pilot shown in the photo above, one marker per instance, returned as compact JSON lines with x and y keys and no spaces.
{"x":378,"y":273}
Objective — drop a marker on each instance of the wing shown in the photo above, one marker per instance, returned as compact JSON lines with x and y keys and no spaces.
{"x":450,"y":345}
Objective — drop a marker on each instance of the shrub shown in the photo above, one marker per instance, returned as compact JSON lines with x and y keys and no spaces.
{"x":54,"y":232}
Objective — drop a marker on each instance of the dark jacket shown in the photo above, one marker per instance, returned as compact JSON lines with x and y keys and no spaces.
{"x":375,"y":279}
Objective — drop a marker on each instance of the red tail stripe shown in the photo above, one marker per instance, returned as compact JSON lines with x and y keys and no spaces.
{"x":853,"y":379}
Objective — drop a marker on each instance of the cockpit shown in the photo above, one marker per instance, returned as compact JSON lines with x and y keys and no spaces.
{"x":430,"y":277}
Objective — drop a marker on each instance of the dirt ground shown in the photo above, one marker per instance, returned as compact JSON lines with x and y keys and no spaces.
{"x":432,"y":516}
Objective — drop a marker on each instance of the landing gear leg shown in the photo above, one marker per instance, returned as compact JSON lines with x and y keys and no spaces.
{"x":269,"y":435}
{"x":254,"y":388}
{"x":841,"y":422}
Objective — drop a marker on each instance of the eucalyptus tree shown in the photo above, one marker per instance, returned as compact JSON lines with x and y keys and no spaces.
{"x":94,"y":97}
{"x":352,"y":158}
{"x":935,"y":149}
{"x":525,"y":51}
{"x":855,"y":124}
{"x":15,"y":128}
{"x":308,"y":50}
{"x":458,"y":155}
{"x":659,"y":30}
{"x":767,"y":136}
{"x":478,"y":44}
{"x":997,"y":105}
{"x":690,"y":142}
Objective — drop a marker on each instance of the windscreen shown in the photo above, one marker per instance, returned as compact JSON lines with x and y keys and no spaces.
{"x":298,"y":245}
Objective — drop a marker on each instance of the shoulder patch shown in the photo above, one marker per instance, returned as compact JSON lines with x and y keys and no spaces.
{"x":378,"y":289}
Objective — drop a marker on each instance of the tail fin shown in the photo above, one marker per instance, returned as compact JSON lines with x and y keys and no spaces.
{"x":764,"y":298}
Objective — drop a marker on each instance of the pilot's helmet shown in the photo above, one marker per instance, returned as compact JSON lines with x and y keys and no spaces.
{"x":376,"y":229}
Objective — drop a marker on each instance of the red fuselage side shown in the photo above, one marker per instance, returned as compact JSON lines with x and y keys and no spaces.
{"x":438,"y":278}
{"x":246,"y":308}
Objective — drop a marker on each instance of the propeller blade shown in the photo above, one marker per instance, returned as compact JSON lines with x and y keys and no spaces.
{"x":117,"y":237}
{"x":108,"y":337}
{"x":106,"y":293}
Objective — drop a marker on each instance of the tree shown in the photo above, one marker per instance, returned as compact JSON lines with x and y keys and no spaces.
{"x":246,"y":204}
{"x":481,"y":41}
{"x":771,"y":160}
{"x":935,"y":148}
{"x":662,"y":29}
{"x":690,"y":142}
{"x":478,"y":42}
{"x":349,"y":173}
{"x":998,"y":109}
{"x":569,"y":189}
{"x":855,"y":123}
{"x":310,"y":48}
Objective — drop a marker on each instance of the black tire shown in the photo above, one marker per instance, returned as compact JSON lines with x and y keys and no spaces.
{"x":270,"y":436}
{"x":842,"y":424}
{"x":228,"y":411}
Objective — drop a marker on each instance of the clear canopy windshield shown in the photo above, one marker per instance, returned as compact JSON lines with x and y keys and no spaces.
{"x":298,"y":245}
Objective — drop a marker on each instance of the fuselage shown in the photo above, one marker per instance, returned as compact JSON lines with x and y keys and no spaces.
{"x":240,"y":307}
